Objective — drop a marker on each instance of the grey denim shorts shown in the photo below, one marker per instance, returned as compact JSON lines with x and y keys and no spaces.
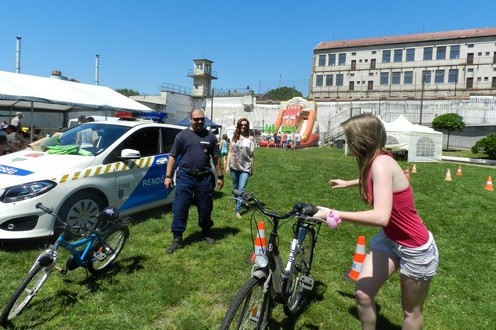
{"x":419,"y":263}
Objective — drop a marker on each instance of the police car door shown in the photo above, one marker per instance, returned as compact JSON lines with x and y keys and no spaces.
{"x":141,"y":185}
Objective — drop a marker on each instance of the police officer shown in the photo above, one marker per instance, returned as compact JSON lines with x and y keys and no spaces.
{"x":192,"y":150}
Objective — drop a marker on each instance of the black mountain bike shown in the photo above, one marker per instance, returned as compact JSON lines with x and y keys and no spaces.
{"x":271,"y":282}
{"x":96,"y":250}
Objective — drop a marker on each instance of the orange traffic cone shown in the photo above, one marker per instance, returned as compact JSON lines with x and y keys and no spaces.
{"x":489,"y":184}
{"x":414,"y":169}
{"x":358,"y":259}
{"x":407,"y":173}
{"x":459,"y":171}
{"x":448,"y":176}
{"x":260,"y":244}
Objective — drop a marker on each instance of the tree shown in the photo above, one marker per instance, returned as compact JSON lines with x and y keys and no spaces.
{"x":282,"y":94}
{"x":487,"y":145}
{"x":450,"y":122}
{"x":127,"y":92}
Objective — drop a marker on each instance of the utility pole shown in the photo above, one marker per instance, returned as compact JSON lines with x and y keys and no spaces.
{"x":422,"y":97}
{"x":212,"y":106}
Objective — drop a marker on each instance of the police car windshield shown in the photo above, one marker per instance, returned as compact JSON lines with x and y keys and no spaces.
{"x":91,"y":138}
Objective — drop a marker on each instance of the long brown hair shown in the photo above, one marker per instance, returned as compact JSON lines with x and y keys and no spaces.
{"x":238,"y":131}
{"x":366,"y":137}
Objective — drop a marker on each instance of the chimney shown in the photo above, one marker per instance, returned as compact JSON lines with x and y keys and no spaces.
{"x":18,"y":54}
{"x":97,"y":69}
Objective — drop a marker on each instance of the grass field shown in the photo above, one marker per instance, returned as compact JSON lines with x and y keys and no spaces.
{"x":192,"y":288}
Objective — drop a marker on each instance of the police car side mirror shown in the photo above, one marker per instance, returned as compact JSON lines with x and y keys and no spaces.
{"x":130,"y":154}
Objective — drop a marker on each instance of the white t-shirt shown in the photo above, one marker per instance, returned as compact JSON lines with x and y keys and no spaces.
{"x":242,"y":154}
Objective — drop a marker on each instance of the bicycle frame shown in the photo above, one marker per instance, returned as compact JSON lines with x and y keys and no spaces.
{"x":275,"y":271}
{"x":81,"y":256}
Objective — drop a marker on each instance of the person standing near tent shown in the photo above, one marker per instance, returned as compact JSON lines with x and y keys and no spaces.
{"x":240,"y":159}
{"x":193,"y":149}
{"x":16,"y":121}
{"x":224,"y":149}
{"x":403,"y":242}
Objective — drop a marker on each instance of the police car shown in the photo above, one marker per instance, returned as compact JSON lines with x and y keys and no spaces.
{"x":123,"y":166}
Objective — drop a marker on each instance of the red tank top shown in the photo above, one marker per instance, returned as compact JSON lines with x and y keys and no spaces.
{"x":405,"y":226}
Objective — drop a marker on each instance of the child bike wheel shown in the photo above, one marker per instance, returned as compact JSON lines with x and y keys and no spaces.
{"x":105,"y":252}
{"x":301,"y":267}
{"x":29,"y":287}
{"x":251,"y":308}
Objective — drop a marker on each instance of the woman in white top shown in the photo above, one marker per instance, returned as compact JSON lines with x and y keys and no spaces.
{"x":240,"y":158}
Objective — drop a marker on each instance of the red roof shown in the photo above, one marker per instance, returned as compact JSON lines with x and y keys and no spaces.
{"x":433,"y":36}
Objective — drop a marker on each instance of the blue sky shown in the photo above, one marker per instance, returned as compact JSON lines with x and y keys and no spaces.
{"x":261,"y":44}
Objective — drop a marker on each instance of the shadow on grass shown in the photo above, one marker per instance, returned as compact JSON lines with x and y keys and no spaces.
{"x":216,"y":233}
{"x":382,"y":322}
{"x":17,"y":245}
{"x":290,"y":322}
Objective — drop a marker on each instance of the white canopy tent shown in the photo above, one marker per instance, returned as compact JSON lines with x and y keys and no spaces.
{"x":51,"y":94}
{"x":422,"y":143}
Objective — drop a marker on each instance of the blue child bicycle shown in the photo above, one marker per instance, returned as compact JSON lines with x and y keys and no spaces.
{"x":96,"y":251}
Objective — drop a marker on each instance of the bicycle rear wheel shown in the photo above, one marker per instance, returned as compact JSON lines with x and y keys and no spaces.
{"x":29,"y":287}
{"x":301,"y":269}
{"x":251,"y":308}
{"x":107,"y":250}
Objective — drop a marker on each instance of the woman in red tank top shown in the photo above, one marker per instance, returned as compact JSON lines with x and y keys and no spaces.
{"x":403,"y":241}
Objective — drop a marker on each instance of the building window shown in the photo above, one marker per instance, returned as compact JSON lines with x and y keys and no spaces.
{"x":494,"y":58}
{"x":372,"y":62}
{"x":352,"y":86}
{"x":453,"y":76}
{"x":439,"y":77}
{"x":454,"y":52}
{"x":386,"y":56}
{"x":353,"y":54}
{"x":426,"y":74}
{"x":427,"y":53}
{"x":322,"y":60}
{"x":470,"y":45}
{"x":396,"y":78}
{"x":339,"y":79}
{"x":410,"y":55}
{"x":398,"y":55}
{"x":441,"y":53}
{"x":374,"y":52}
{"x":342,"y":59}
{"x":332,"y":59}
{"x":319,"y":80}
{"x":384,"y":78}
{"x":329,"y":80}
{"x":470,"y":70}
{"x":408,"y":77}
{"x":470,"y":58}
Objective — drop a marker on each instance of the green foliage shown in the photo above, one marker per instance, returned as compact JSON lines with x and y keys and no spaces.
{"x":450,"y":122}
{"x":192,"y":288}
{"x":487,"y":145}
{"x":127,"y":92}
{"x":282,"y":94}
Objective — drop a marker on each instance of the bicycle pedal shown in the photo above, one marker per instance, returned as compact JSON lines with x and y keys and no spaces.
{"x":306,"y":282}
{"x":100,"y":255}
{"x":61,"y":270}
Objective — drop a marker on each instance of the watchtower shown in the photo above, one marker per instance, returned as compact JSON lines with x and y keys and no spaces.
{"x":202,"y":75}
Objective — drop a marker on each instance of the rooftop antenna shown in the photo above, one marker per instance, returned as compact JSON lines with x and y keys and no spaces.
{"x":18,"y":54}
{"x":97,"y":69}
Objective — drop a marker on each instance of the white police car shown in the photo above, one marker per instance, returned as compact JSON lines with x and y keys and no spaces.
{"x":122,"y":164}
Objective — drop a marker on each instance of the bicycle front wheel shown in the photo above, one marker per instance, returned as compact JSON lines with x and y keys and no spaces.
{"x":29,"y":287}
{"x":251,"y":308}
{"x":107,"y":250}
{"x":300,"y":271}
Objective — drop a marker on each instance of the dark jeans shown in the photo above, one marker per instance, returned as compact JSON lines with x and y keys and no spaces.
{"x":189,"y":189}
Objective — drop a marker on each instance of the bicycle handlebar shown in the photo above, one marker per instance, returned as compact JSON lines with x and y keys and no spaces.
{"x":299,"y":209}
{"x":49,"y":210}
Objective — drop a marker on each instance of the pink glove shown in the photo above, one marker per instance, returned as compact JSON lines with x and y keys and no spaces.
{"x":333,"y":220}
